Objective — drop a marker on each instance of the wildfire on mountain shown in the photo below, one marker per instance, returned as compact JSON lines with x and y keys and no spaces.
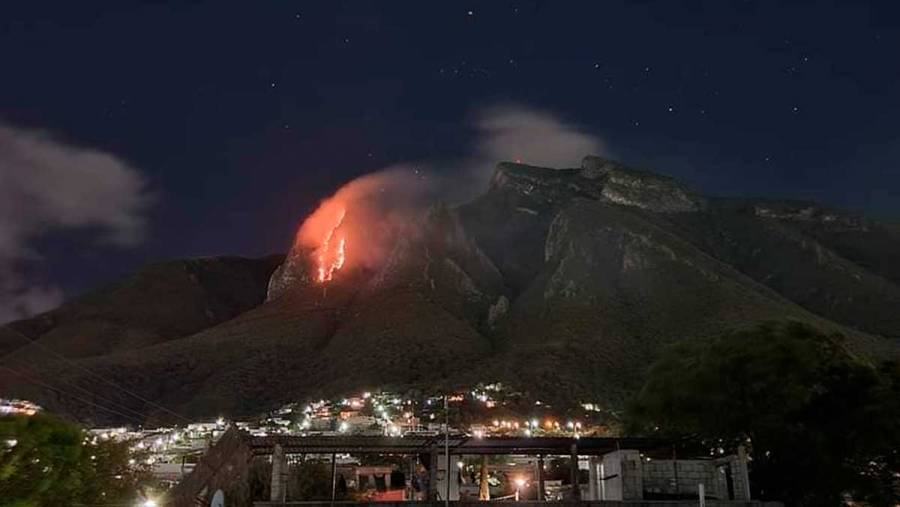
{"x":325,"y":232}
{"x":359,"y":225}
{"x":331,"y":258}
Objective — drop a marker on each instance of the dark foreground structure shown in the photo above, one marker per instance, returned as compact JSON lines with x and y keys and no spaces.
{"x":620,"y":471}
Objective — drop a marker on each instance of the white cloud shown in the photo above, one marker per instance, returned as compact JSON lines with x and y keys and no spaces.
{"x":48,"y":185}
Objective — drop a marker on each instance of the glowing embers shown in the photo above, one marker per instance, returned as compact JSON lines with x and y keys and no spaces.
{"x":331,"y":254}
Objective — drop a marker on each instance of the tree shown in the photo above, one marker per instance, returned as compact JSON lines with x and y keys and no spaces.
{"x":47,"y":461}
{"x":819,"y":421}
{"x":309,"y":480}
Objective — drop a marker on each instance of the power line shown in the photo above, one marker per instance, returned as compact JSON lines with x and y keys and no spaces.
{"x":60,"y":391}
{"x":110,"y":382}
{"x":113,"y":403}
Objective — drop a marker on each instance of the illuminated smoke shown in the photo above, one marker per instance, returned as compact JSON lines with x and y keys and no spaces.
{"x":358,"y":226}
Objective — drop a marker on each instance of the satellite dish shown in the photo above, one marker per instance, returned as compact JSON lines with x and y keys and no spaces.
{"x":218,"y":499}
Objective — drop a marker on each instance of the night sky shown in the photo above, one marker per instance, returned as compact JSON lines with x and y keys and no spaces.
{"x":240,"y":117}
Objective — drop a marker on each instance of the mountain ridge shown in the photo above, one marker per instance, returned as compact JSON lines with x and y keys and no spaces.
{"x":563,"y":282}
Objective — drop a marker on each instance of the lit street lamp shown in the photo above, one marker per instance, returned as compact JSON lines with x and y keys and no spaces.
{"x":519,"y":483}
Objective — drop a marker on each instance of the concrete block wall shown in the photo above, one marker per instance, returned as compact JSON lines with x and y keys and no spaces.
{"x":625,"y":477}
{"x":680,"y":476}
{"x":740,"y":478}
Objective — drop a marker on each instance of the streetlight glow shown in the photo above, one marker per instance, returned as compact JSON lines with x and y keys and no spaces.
{"x":520,"y":481}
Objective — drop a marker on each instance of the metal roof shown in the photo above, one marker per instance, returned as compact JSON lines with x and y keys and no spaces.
{"x":463,"y":445}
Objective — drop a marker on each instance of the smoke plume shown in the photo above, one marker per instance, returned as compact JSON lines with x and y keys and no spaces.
{"x":359,"y":224}
{"x":532,"y":136}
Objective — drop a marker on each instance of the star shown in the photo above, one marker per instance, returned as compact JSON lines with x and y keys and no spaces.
{"x":471,"y":13}
{"x":671,"y":109}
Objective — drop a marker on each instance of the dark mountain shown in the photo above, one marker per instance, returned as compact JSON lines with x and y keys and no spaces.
{"x":564,"y":283}
{"x":161,"y":302}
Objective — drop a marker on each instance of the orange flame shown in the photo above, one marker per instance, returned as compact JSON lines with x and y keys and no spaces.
{"x":330,"y":261}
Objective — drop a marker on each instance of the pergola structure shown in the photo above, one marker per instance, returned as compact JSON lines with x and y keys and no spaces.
{"x":235,"y":448}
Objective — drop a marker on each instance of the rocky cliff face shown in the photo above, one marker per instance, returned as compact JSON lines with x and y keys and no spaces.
{"x":810,"y":212}
{"x":565,"y":283}
{"x":642,"y":189}
{"x":295,"y":271}
{"x":598,"y":179}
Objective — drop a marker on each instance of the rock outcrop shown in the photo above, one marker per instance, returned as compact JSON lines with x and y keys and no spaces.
{"x":642,"y":189}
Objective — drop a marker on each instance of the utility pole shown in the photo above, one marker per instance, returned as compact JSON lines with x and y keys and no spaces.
{"x":447,"y":450}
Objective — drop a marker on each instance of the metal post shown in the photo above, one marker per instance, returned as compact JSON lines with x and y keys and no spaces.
{"x":541,"y":493}
{"x":333,"y":476}
{"x":433,"y":474}
{"x":573,"y":472}
{"x":447,"y":450}
{"x":701,"y":491}
{"x":412,"y":479}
